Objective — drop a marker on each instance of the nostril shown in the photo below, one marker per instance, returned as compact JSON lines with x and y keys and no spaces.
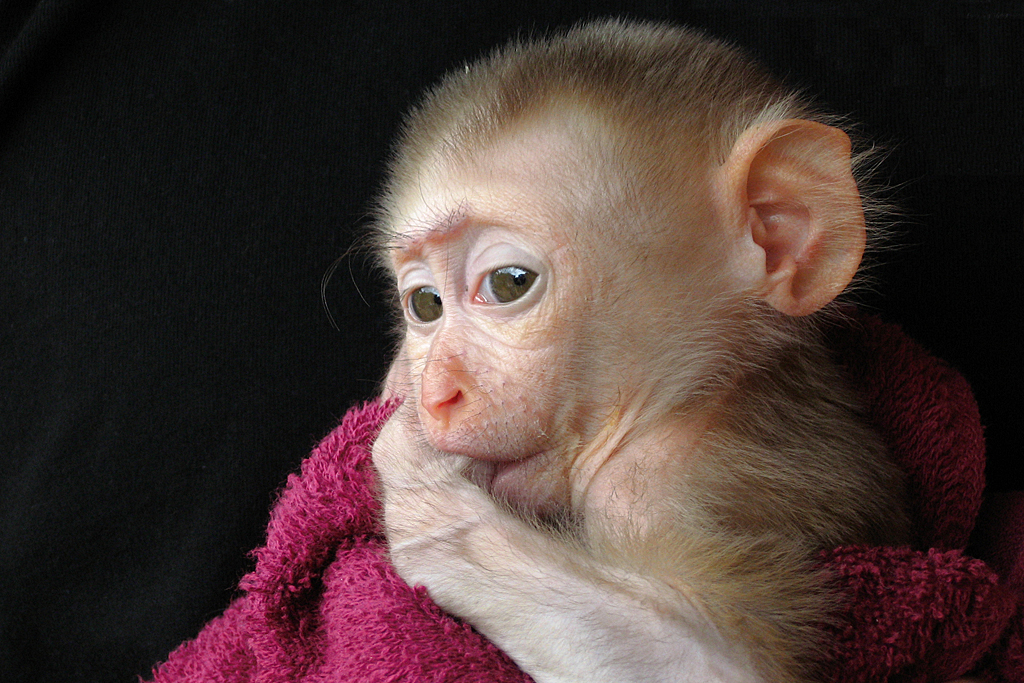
{"x":454,"y":402}
{"x":443,"y":408}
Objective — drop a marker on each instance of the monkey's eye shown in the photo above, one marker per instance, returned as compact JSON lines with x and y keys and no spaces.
{"x":507,"y":284}
{"x":425,"y":304}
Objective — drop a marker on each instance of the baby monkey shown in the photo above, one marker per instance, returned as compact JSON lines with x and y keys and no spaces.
{"x":621,"y":441}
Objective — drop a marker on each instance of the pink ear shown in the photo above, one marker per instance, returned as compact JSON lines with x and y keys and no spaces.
{"x":792,"y":183}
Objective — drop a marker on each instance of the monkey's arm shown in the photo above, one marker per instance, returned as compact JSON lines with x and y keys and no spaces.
{"x":558,"y":612}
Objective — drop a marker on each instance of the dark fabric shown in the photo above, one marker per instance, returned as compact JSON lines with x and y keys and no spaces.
{"x":177,"y":177}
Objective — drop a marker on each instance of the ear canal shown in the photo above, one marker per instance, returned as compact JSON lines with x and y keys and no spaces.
{"x":802,"y":209}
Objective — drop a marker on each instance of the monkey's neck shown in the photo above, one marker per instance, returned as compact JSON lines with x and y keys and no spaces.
{"x":793,"y":453}
{"x":790,"y":452}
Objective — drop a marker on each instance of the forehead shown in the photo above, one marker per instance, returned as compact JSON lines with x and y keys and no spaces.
{"x":536,"y":177}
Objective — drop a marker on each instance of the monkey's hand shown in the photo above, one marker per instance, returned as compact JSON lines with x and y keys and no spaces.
{"x":424,"y":494}
{"x":560,"y":613}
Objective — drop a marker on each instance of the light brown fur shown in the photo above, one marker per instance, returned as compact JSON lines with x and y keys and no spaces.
{"x":689,"y":444}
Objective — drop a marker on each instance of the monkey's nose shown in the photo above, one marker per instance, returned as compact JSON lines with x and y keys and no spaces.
{"x":444,"y":407}
{"x":442,"y":395}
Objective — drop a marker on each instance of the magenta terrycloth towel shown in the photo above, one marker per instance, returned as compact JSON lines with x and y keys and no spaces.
{"x":323,"y":603}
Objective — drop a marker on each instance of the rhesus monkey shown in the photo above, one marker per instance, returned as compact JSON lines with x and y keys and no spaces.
{"x":621,"y":440}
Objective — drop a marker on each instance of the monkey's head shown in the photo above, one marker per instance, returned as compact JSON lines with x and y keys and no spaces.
{"x":599,"y":230}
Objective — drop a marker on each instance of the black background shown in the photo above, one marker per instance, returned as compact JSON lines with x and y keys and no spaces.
{"x":176,"y":178}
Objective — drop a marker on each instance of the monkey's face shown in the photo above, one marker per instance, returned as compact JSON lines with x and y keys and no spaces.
{"x":495,"y":291}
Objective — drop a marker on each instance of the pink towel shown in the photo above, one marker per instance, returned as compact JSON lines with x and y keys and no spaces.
{"x":323,"y":604}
